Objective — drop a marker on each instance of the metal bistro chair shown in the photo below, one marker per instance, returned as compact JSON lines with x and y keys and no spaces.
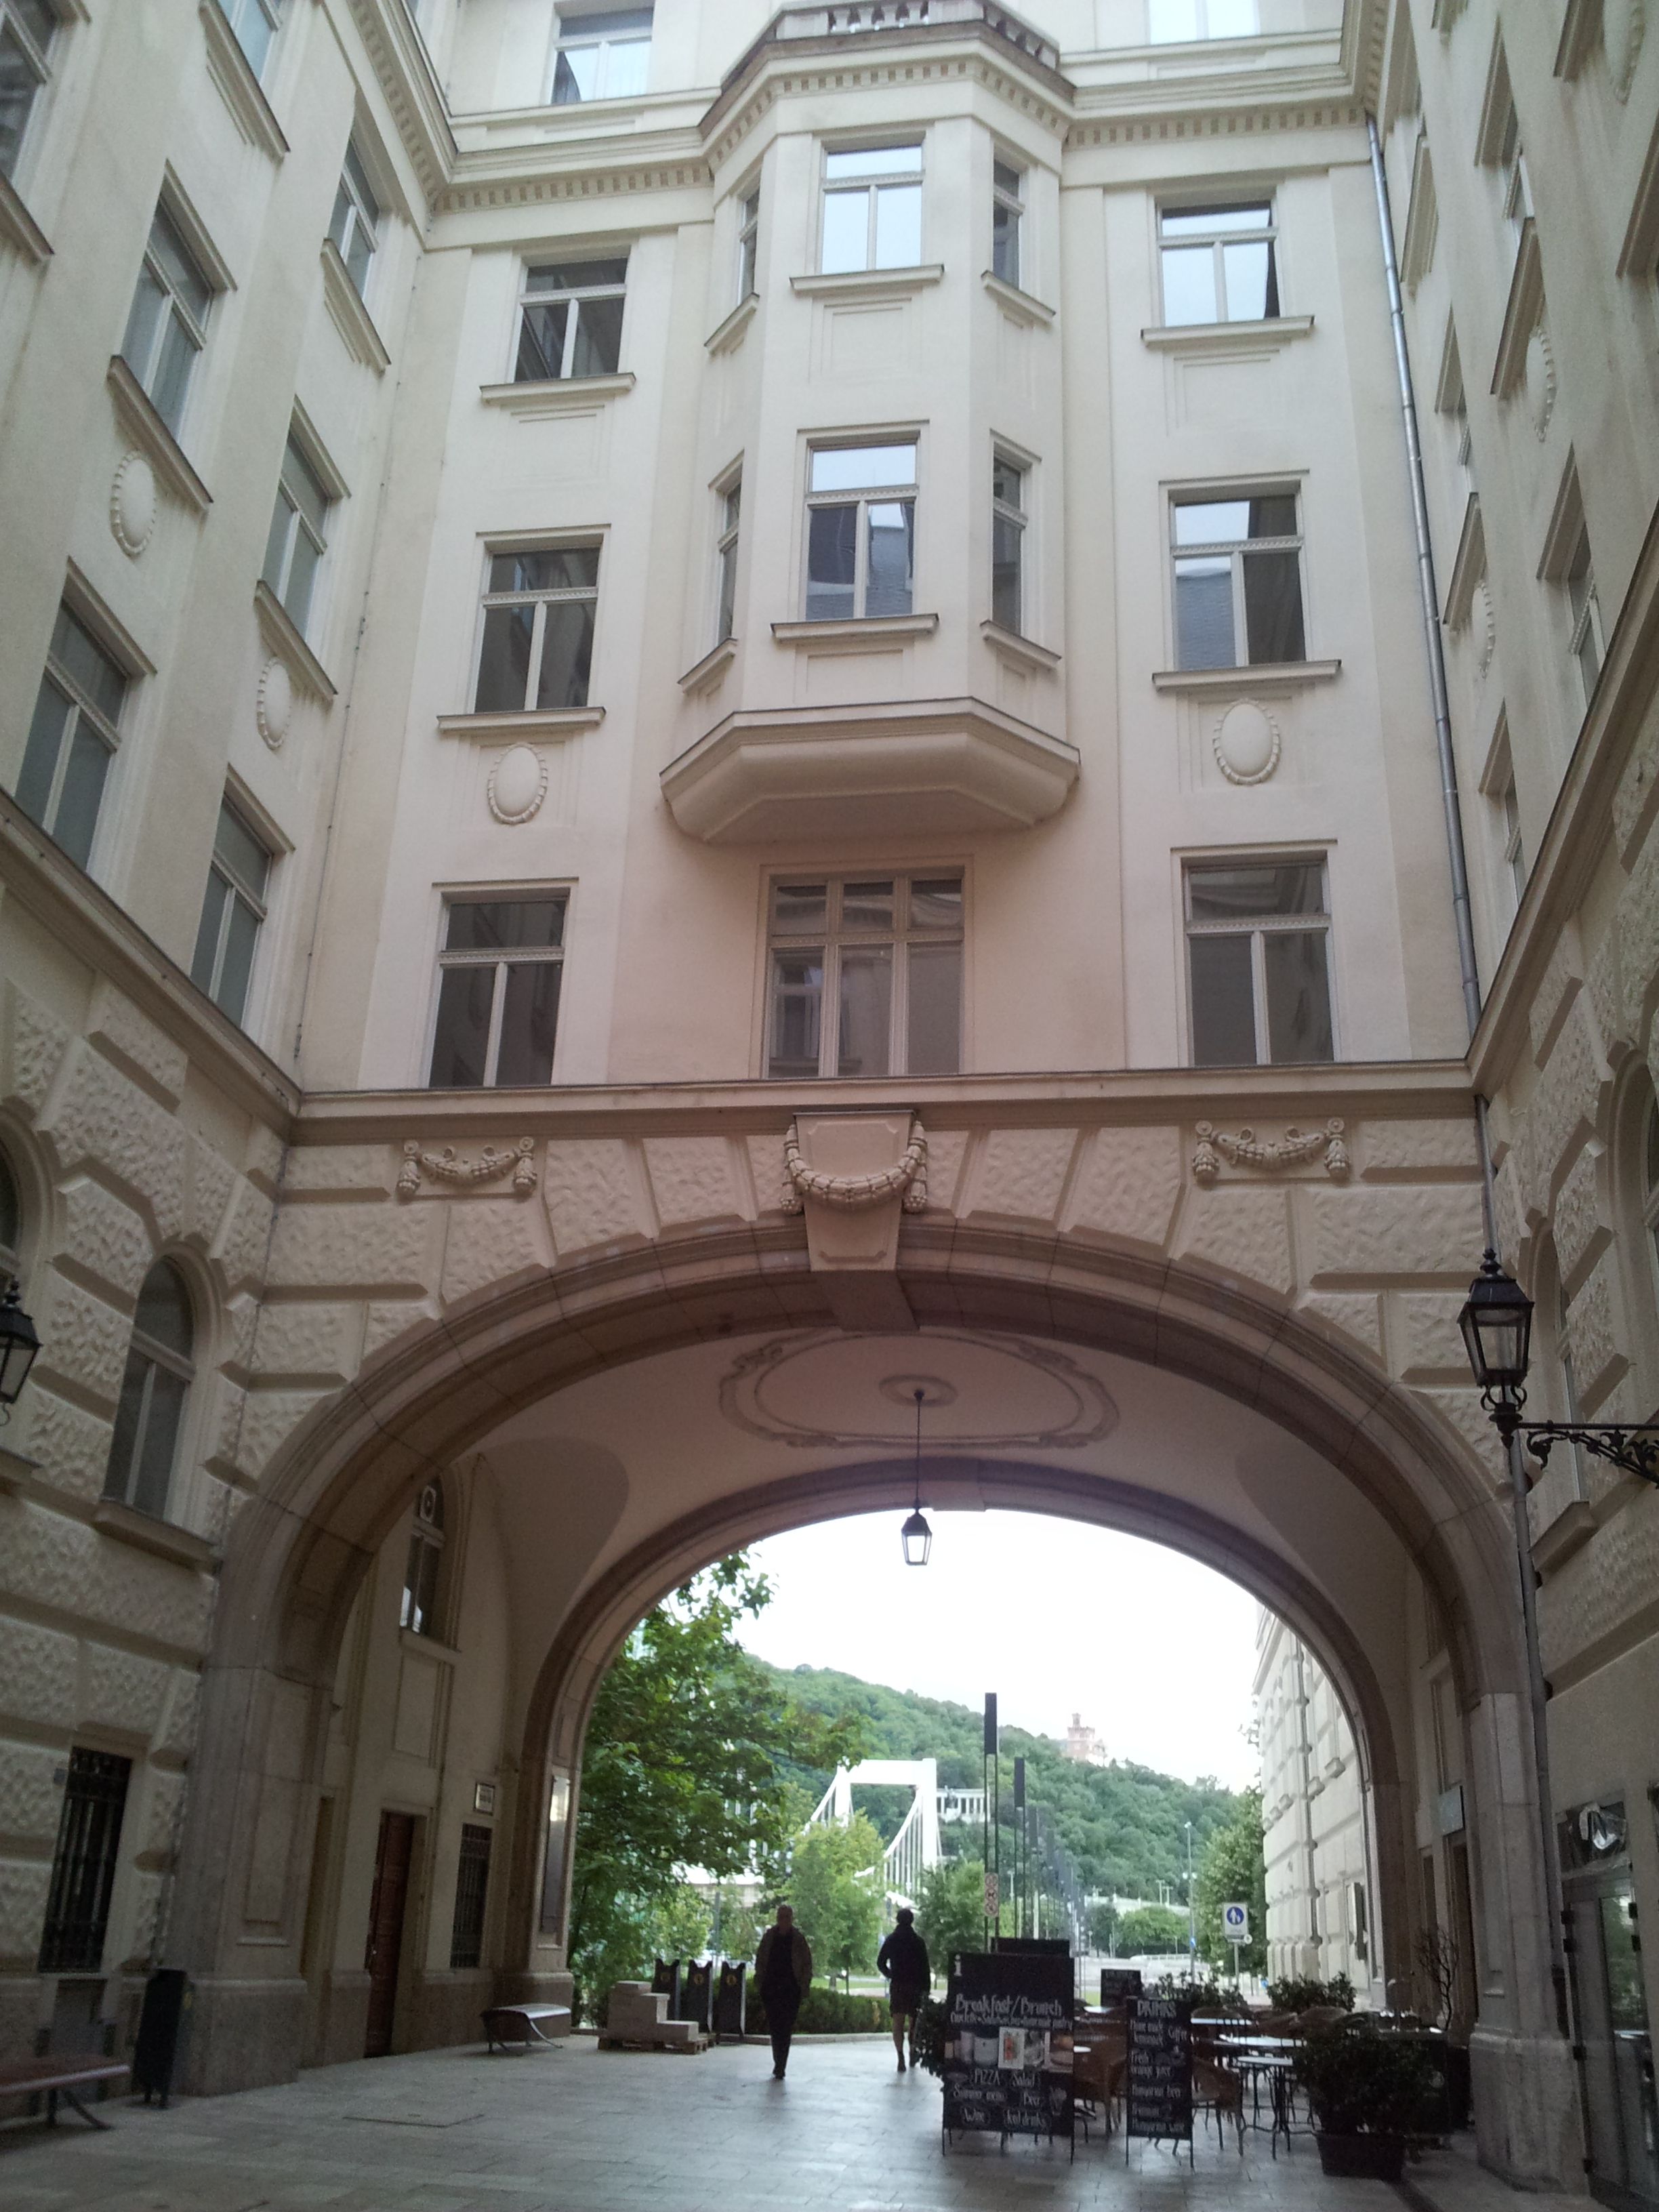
{"x":1217,"y":2091}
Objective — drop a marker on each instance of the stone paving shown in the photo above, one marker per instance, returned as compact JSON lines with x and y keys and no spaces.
{"x":573,"y":2128}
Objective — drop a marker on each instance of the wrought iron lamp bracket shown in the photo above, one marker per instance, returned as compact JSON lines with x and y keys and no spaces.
{"x":1632,"y":1445}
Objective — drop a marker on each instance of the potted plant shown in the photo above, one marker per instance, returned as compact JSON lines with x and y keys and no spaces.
{"x":1366,"y":2090}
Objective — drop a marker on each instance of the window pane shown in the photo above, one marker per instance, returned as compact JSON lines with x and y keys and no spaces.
{"x":1169,"y":21}
{"x":862,"y":468}
{"x":1007,"y":483}
{"x":253,"y":33}
{"x":173,"y":374}
{"x":541,"y":341}
{"x":874,"y":161}
{"x":504,"y":662}
{"x":866,"y":905}
{"x":360,"y":184}
{"x":505,"y":925}
{"x":1189,"y":285}
{"x":529,"y":1018}
{"x":152,"y":1476}
{"x":238,"y":965}
{"x":846,"y":231}
{"x":1204,"y":613}
{"x":1005,"y":243}
{"x":18,"y":85}
{"x":1005,"y":537}
{"x":341,"y":218}
{"x":117,"y":1475}
{"x":301,"y":577}
{"x":626,"y":62}
{"x":148,"y":305}
{"x":574,"y":275}
{"x":577,"y":74}
{"x":1274,"y":516}
{"x":1204,"y":222}
{"x":797,"y":1007}
{"x":207,"y":935}
{"x":1250,"y":890}
{"x":358,"y":257}
{"x":305,"y":487}
{"x":801,"y":909}
{"x":282,"y":522}
{"x":88,"y":666}
{"x":180,"y":270}
{"x":866,"y":1010}
{"x":935,"y":980}
{"x":891,"y":557}
{"x":728,"y":594}
{"x":1232,"y":19}
{"x":463,"y":1034}
{"x":937,"y":905}
{"x":83,"y":793}
{"x":1252,"y":287}
{"x":163,"y":1312}
{"x":898,"y":225}
{"x":1211,"y":521}
{"x":831,"y":556}
{"x":1273,"y":606}
{"x":242,"y":852}
{"x":567,"y":655}
{"x":51,"y":712}
{"x":1299,"y":995}
{"x":547,"y":569}
{"x":1224,"y":1018}
{"x":599,"y":338}
{"x":1650,"y":1153}
{"x":424,"y":1560}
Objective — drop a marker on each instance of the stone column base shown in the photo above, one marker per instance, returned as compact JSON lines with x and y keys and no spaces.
{"x":1526,"y":2109}
{"x":241,"y":2034}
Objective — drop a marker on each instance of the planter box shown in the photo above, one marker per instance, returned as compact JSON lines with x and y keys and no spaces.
{"x":1361,"y":2158}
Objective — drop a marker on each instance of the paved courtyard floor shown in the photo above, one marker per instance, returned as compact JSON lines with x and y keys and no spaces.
{"x":573,"y":2129}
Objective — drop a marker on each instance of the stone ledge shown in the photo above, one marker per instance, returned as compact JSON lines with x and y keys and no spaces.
{"x":147,"y":1534}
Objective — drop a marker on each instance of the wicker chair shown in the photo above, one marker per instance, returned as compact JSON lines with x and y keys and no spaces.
{"x":1217,"y":2089}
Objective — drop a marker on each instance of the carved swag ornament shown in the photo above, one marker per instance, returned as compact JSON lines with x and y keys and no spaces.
{"x":1247,"y":1150}
{"x":448,"y":1166}
{"x":852,"y":1194}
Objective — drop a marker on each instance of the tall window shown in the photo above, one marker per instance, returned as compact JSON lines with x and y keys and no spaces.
{"x":1258,"y":938}
{"x":538,"y":647}
{"x":419,"y":1611}
{"x":1514,"y":854}
{"x":231,"y":912}
{"x":255,"y":23}
{"x":11,"y":1225}
{"x":872,"y":208}
{"x":355,"y":225}
{"x":1007,"y":544}
{"x":83,"y":1862}
{"x":1237,"y":581}
{"x":27,"y":28}
{"x":298,"y":534}
{"x":72,"y":737}
{"x":168,"y":326}
{"x":471,"y":1887}
{"x":867,"y":977}
{"x":498,"y":992}
{"x":731,"y":512}
{"x":602,"y":57}
{"x":1512,"y":161}
{"x":154,"y":1388}
{"x":1220,"y":265}
{"x":570,"y":316}
{"x":748,"y":241}
{"x":1007,"y":214}
{"x":1586,"y":633}
{"x":860,"y":531}
{"x":1172,"y":22}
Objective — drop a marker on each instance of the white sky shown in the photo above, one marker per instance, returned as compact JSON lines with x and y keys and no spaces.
{"x":1155,"y":1652}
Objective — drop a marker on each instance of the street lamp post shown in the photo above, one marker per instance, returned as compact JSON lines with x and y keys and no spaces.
{"x":916,"y":1536}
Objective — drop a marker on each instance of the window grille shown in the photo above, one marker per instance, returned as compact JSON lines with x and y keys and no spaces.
{"x":471,"y":1887}
{"x":83,"y":1864}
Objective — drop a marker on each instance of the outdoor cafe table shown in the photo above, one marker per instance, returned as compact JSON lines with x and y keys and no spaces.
{"x":1269,"y":2056}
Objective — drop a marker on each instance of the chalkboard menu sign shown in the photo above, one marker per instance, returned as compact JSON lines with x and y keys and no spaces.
{"x":1159,"y":2077}
{"x":1117,"y":1983}
{"x":1008,"y":2058}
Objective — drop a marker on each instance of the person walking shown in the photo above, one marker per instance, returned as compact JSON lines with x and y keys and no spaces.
{"x":783,"y":1972}
{"x":903,"y":1963}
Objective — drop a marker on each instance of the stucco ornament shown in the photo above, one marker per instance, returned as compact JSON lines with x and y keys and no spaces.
{"x":518,"y":784}
{"x":1624,"y":28}
{"x":1247,"y":1150}
{"x":1540,"y":380}
{"x":1482,"y":626}
{"x":132,"y":504}
{"x":1246,"y":743}
{"x":273,"y":706}
{"x":852,"y":1194}
{"x":448,"y":1166}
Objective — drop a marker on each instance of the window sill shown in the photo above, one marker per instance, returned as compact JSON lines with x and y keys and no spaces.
{"x":433,"y":1647}
{"x":531,"y":722}
{"x":856,"y":634}
{"x":1255,"y":675}
{"x":868,"y":283}
{"x":1012,"y":646}
{"x":555,"y":395}
{"x":1266,"y":337}
{"x":237,"y":86}
{"x":704,"y":674}
{"x":18,"y":228}
{"x":147,"y":1534}
{"x":282,"y":636}
{"x":14,"y":1471}
{"x":1571,"y":1529}
{"x":154,"y":440}
{"x":1019,"y":306}
{"x":350,"y":316}
{"x":728,"y":334}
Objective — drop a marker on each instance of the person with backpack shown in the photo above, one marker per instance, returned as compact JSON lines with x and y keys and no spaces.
{"x":903,"y":1963}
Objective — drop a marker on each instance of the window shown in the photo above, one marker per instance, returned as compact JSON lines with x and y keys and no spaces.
{"x":1258,"y":961}
{"x":498,"y":992}
{"x":168,"y":326}
{"x":154,"y":1388}
{"x":1512,"y":160}
{"x":77,"y":727}
{"x":1586,"y":635}
{"x":1220,"y":264}
{"x":83,"y":1863}
{"x":538,"y":648}
{"x":860,"y":531}
{"x":731,"y":508}
{"x":748,"y":241}
{"x":872,"y":208}
{"x":231,"y":912}
{"x":1007,"y":544}
{"x":570,"y":317}
{"x":298,"y":537}
{"x":419,"y":1610}
{"x":355,"y":222}
{"x":472,"y":1885}
{"x":27,"y":28}
{"x":1237,"y":581}
{"x":1173,"y":23}
{"x":1514,"y":858}
{"x":1008,"y":207}
{"x":602,"y":57}
{"x":255,"y":23}
{"x":867,"y":977}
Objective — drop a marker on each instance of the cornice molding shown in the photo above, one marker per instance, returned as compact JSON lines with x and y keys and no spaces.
{"x":1330,"y":110}
{"x":398,"y":58}
{"x":507,"y":188}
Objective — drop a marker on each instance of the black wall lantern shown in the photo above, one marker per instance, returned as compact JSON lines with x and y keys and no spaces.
{"x":18,"y":1346}
{"x":915,"y":1535}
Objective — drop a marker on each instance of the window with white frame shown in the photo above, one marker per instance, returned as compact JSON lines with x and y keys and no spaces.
{"x":28,"y":30}
{"x":418,"y":1612}
{"x":150,"y":1413}
{"x":255,"y":23}
{"x":1452,"y":402}
{"x":1258,"y":961}
{"x":872,"y":208}
{"x":298,"y":534}
{"x":1508,"y":830}
{"x":1237,"y":579}
{"x":1008,"y":515}
{"x":602,"y":56}
{"x":570,"y":318}
{"x":748,"y":241}
{"x":232,"y":912}
{"x":536,"y":649}
{"x":1511,"y":159}
{"x":168,"y":326}
{"x":1007,"y":216}
{"x":355,"y":225}
{"x":860,"y":530}
{"x":72,"y":737}
{"x":1585,"y":637}
{"x":1177,"y":23}
{"x":865,"y":977}
{"x":499,"y":975}
{"x":731,"y":499}
{"x":1220,"y":264}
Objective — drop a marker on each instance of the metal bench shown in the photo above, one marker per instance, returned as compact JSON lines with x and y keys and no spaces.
{"x":53,"y":2078}
{"x":522,"y":2024}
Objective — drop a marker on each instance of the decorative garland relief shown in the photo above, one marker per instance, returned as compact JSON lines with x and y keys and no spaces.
{"x":852,"y":1194}
{"x":448,"y":1166}
{"x":1247,"y":1150}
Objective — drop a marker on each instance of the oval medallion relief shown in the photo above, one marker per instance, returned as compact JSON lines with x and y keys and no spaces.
{"x":518,"y":784}
{"x":1540,"y":380}
{"x":274,"y":706}
{"x":132,"y":504}
{"x":1246,"y":743}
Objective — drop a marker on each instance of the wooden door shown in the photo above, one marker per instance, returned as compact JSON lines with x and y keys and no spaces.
{"x":385,"y":1927}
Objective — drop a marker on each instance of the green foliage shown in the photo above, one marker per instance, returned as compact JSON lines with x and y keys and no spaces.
{"x":1233,"y":1870}
{"x":1359,"y":2082}
{"x":1103,"y":1928}
{"x":927,"y":2037}
{"x":1154,"y":1929}
{"x":837,"y":1896}
{"x":1297,"y":1995}
{"x":823,"y":2011}
{"x":1204,"y":1996}
{"x":738,"y":1929}
{"x":951,"y":1912}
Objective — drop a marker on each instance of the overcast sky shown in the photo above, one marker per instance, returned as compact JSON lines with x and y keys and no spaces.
{"x":1155,"y":1652}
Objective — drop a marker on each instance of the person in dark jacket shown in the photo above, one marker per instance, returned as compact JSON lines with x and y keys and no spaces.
{"x":783,"y":1974}
{"x":902,"y":1962}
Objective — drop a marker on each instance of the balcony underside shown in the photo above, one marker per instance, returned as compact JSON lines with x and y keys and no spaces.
{"x":940,"y":766}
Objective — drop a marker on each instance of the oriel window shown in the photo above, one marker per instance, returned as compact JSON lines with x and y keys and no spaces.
{"x":865,"y":976}
{"x":731,"y":512}
{"x":860,"y":531}
{"x":1008,"y":482}
{"x":872,"y":208}
{"x":1007,"y":215}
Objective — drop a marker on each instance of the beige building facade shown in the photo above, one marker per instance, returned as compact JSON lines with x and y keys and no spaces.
{"x":709,"y":716}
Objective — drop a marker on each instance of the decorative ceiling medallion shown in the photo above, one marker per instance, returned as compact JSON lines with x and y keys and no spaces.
{"x":1624,"y":28}
{"x":1540,"y":380}
{"x":834,"y":1388}
{"x":518,"y":784}
{"x":273,"y":706}
{"x":1246,"y":743}
{"x":132,"y":504}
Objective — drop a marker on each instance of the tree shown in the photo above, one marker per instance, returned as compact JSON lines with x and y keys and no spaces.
{"x":950,"y":1910}
{"x":836,"y":1889}
{"x":1102,"y":1926}
{"x":1154,"y":1930}
{"x":1233,"y":1871}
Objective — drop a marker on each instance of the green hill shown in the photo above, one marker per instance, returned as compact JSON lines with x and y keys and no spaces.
{"x":1123,"y":1823}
